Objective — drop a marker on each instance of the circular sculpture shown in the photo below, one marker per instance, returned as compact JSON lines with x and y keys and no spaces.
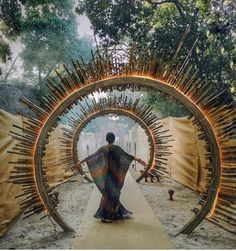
{"x":143,"y":115}
{"x":137,"y":69}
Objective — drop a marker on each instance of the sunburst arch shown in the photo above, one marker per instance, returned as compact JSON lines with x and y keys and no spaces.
{"x":137,"y":69}
{"x":158,"y":139}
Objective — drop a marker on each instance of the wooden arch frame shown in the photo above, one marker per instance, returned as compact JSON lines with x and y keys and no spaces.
{"x":143,"y":115}
{"x":147,"y":82}
{"x":119,"y":112}
{"x":136,"y":70}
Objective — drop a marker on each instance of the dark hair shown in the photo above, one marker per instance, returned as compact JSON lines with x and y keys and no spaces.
{"x":110,"y":137}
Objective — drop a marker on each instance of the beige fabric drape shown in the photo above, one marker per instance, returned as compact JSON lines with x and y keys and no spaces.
{"x":9,"y":209}
{"x":55,"y":172}
{"x":185,"y":164}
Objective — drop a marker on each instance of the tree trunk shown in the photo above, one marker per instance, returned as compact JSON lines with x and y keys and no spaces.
{"x":49,"y":71}
{"x":9,"y":71}
{"x":40,"y":76}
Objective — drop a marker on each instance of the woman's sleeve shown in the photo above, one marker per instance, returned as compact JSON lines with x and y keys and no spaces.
{"x":125,"y":159}
{"x":127,"y":155}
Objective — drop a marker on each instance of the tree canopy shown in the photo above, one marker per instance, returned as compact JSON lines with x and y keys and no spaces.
{"x":161,"y":24}
{"x":49,"y":34}
{"x":48,"y":31}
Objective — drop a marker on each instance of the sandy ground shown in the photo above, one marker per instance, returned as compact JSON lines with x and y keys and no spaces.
{"x":33,"y":233}
{"x":174,"y":214}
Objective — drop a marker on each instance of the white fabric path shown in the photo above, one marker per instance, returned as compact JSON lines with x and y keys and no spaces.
{"x":142,"y":231}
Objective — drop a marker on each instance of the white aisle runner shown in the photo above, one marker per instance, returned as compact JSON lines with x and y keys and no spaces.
{"x":142,"y":231}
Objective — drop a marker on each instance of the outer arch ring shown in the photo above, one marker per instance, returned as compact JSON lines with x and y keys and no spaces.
{"x":147,"y":82}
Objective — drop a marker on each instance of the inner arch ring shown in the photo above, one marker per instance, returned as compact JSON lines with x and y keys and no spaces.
{"x":115,"y":111}
{"x":147,"y":82}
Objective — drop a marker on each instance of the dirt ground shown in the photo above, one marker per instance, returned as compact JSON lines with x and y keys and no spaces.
{"x":33,"y":233}
{"x":174,"y":214}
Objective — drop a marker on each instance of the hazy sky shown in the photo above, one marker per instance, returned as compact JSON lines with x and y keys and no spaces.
{"x":84,"y":26}
{"x":84,"y":29}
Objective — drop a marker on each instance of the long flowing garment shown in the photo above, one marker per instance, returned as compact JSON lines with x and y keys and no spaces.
{"x":108,"y":167}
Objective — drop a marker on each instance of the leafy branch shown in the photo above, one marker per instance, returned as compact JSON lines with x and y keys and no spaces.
{"x":181,"y":9}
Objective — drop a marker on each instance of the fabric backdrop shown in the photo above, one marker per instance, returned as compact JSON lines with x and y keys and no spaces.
{"x":185,"y":164}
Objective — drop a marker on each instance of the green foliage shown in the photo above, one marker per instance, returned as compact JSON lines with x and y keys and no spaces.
{"x":114,"y":20}
{"x":49,"y":32}
{"x":164,"y":105}
{"x":161,"y":25}
{"x":5,"y":52}
{"x":10,"y":16}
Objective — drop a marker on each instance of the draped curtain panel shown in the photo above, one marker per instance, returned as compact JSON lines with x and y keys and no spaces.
{"x":9,"y":209}
{"x":186,"y":164}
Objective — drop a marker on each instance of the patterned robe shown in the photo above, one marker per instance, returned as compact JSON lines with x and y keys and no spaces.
{"x":108,"y":167}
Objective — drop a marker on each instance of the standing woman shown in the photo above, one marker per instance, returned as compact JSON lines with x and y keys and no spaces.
{"x":108,"y":167}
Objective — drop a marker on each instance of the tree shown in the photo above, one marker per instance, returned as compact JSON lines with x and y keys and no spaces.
{"x":10,"y":16}
{"x":161,"y":23}
{"x":164,"y":105}
{"x":49,"y":33}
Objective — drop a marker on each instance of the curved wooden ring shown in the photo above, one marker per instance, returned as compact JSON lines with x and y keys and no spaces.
{"x":122,"y":112}
{"x":143,"y":81}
